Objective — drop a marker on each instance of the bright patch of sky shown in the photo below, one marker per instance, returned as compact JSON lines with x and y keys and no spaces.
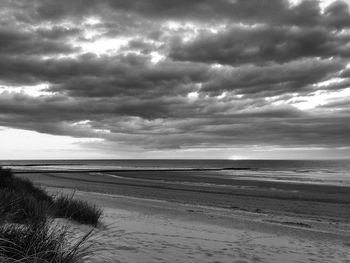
{"x":156,"y":57}
{"x":33,"y":90}
{"x":34,"y":145}
{"x":193,"y":95}
{"x":314,"y":99}
{"x":102,"y":46}
{"x":323,"y":3}
{"x":318,"y":98}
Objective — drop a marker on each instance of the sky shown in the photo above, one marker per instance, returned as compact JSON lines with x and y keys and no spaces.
{"x":227,"y":79}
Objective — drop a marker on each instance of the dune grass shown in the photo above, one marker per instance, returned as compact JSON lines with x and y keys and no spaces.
{"x":20,"y":207}
{"x":9,"y":181}
{"x":77,"y":210}
{"x":21,"y":199}
{"x":26,"y":233}
{"x":40,"y":244}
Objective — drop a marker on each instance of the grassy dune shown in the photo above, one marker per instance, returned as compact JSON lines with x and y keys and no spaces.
{"x":26,"y":230}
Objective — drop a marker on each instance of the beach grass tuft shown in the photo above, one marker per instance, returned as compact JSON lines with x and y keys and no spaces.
{"x":21,"y":207}
{"x":9,"y":181}
{"x":77,"y":210}
{"x":22,"y":200}
{"x":40,"y":243}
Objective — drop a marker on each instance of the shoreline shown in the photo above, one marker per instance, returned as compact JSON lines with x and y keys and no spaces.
{"x":240,"y":179}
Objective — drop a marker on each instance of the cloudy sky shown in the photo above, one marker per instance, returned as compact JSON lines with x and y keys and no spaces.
{"x":174,"y":79}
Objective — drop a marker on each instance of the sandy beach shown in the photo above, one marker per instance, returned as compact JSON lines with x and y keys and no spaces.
{"x":151,"y":220}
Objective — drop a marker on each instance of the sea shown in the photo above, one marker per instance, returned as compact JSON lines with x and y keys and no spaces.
{"x":330,"y":172}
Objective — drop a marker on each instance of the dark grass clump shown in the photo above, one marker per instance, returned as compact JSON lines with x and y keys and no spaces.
{"x":77,"y":210}
{"x":25,"y":232}
{"x":21,"y":207}
{"x":5,"y":174}
{"x":22,"y":200}
{"x":40,"y":244}
{"x":9,"y":181}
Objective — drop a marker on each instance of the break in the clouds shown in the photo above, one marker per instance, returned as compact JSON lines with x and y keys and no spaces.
{"x":172,"y":79}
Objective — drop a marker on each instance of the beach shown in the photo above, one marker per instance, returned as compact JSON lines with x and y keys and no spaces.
{"x":196,"y":216}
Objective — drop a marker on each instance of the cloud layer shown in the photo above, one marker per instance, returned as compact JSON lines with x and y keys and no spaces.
{"x":161,"y":75}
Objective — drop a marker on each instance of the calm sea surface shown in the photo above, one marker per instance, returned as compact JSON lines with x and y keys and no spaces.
{"x":334,"y":172}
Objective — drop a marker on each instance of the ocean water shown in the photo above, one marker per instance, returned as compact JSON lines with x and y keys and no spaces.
{"x":333,"y":172}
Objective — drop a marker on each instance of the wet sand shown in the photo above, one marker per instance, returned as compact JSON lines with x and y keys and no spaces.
{"x":149,"y":217}
{"x":207,"y":188}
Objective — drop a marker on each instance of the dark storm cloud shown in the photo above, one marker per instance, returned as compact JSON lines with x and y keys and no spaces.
{"x":345,"y":73}
{"x":156,"y":9}
{"x":272,"y":55}
{"x":277,"y":125}
{"x":15,"y":42}
{"x":337,"y":15}
{"x":58,"y":33}
{"x":273,"y":80}
{"x":225,"y":132}
{"x":262,"y":44}
{"x":306,"y":13}
{"x":92,"y":76}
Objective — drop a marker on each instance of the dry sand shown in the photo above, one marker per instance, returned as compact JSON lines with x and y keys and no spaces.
{"x":146,"y":230}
